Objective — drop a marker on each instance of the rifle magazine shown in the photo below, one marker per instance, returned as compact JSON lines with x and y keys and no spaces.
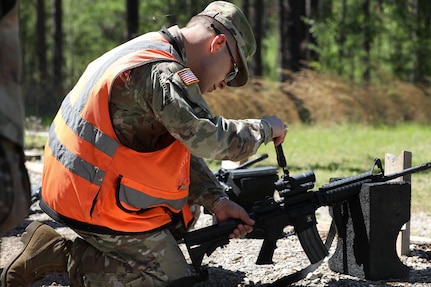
{"x":312,"y":244}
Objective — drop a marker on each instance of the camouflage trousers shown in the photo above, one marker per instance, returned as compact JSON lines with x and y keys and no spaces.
{"x":148,"y":260}
{"x":14,"y":185}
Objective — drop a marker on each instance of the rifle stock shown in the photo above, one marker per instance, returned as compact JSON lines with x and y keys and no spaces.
{"x":206,"y":240}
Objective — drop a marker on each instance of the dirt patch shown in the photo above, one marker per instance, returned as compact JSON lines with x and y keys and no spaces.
{"x":317,"y":98}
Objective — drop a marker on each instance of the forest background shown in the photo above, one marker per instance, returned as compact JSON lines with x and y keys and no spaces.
{"x":350,"y":77}
{"x":365,"y":61}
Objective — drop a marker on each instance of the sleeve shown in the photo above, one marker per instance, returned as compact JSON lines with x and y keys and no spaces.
{"x":185,"y":114}
{"x":204,"y":186}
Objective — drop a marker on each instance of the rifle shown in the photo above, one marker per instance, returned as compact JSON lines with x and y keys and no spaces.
{"x":295,"y":206}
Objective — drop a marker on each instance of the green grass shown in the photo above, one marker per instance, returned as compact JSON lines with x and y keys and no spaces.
{"x":346,"y":150}
{"x":35,"y":141}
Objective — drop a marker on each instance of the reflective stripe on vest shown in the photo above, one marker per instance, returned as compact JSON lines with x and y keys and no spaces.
{"x":90,"y":177}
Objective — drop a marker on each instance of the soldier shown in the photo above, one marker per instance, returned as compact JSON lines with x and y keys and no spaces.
{"x":123,"y":163}
{"x":14,"y":181}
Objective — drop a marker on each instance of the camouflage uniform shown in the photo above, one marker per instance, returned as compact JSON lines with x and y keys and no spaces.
{"x":147,"y":117}
{"x":14,"y":182}
{"x":151,"y":259}
{"x":149,"y":106}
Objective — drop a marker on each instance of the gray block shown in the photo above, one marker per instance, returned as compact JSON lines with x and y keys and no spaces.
{"x":368,"y":230}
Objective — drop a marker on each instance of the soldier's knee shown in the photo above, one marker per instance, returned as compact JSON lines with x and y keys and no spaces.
{"x":89,"y":267}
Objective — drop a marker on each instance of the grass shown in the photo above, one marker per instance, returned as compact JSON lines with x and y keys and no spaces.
{"x":35,"y":142}
{"x":346,"y":150}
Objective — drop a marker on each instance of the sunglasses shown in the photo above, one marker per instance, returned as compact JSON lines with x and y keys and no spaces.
{"x":232,"y":74}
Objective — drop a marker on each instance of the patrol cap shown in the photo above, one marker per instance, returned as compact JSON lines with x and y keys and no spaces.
{"x":232,"y":18}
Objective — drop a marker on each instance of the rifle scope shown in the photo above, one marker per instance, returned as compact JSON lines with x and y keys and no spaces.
{"x":295,"y":181}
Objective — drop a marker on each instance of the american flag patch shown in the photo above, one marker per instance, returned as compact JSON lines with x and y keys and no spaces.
{"x":187,"y":76}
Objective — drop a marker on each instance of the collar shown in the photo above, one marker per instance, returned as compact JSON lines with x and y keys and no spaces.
{"x":174,"y":36}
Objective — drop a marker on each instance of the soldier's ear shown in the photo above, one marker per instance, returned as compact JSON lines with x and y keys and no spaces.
{"x":217,"y":43}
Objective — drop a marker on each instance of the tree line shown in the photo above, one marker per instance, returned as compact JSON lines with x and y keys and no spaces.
{"x":366,"y":41}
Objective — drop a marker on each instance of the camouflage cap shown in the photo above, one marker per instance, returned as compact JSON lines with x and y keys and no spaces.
{"x":232,"y":18}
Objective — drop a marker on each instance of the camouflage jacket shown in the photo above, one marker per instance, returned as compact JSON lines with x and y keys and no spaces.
{"x":152,"y":105}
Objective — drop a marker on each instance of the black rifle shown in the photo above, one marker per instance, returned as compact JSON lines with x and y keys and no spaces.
{"x":296,"y":206}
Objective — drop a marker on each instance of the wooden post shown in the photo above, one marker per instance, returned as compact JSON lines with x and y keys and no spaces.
{"x":395,"y":164}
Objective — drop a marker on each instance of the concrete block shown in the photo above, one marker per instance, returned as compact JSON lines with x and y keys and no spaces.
{"x":368,"y":227}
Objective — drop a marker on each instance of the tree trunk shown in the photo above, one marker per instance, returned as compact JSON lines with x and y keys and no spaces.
{"x":341,"y":38}
{"x":421,"y":33}
{"x":366,"y":41}
{"x":58,"y":52}
{"x":132,"y":17}
{"x":311,"y":8}
{"x":257,"y":26}
{"x":41,"y":48}
{"x":324,"y":9}
{"x":291,"y":36}
{"x":424,"y":55}
{"x":41,"y":38}
{"x":283,"y":52}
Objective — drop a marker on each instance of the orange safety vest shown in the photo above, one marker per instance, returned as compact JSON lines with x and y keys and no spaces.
{"x":90,"y":179}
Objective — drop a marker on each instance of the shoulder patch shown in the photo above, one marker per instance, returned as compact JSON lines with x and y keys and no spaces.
{"x":187,"y":76}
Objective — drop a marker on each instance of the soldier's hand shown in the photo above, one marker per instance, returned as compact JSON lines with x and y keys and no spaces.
{"x":228,"y":209}
{"x":279,"y":129}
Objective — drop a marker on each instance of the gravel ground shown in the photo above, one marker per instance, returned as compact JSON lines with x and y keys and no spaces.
{"x":234,"y":265}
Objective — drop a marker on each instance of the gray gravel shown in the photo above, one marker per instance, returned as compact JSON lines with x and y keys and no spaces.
{"x":234,"y":265}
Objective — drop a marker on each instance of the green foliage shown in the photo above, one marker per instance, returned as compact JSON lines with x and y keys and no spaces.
{"x":90,"y":34}
{"x":90,"y":28}
{"x":399,"y":39}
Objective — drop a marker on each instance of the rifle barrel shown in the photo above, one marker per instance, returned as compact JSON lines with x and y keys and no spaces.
{"x":253,"y":161}
{"x":407,"y":171}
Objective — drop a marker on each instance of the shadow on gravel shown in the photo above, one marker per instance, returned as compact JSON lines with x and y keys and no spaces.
{"x":20,"y":228}
{"x":352,"y":283}
{"x":221,"y":277}
{"x":415,"y":276}
{"x":386,"y":283}
{"x":55,"y":279}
